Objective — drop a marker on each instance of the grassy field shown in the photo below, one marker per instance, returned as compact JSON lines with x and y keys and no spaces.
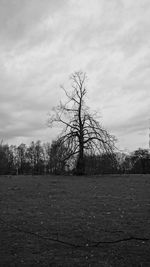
{"x":75,"y":221}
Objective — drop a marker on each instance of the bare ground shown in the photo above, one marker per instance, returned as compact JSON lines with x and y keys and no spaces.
{"x":75,"y":221}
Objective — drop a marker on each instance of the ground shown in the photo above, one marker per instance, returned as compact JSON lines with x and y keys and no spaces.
{"x":75,"y":221}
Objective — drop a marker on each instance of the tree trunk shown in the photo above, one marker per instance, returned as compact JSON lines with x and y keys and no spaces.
{"x":80,"y":167}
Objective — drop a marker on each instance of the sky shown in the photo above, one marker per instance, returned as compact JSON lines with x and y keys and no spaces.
{"x":43,"y":42}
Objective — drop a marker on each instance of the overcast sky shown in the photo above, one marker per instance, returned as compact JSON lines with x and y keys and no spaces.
{"x":43,"y":41}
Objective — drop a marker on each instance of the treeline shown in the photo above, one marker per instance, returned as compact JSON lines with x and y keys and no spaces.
{"x":45,"y":158}
{"x":37,"y":158}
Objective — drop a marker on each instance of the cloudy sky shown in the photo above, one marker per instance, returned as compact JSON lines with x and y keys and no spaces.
{"x":43,"y":41}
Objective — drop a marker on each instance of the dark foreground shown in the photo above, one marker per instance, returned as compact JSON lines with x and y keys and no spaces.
{"x":75,"y":221}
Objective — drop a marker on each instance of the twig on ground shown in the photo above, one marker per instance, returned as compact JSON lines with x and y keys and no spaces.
{"x":93,"y":244}
{"x":121,"y":240}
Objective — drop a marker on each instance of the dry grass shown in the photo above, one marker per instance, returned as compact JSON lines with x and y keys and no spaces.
{"x":80,"y":211}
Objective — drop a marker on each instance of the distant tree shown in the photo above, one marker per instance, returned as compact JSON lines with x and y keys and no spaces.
{"x":3,"y":159}
{"x":59,"y":156}
{"x":39,"y":158}
{"x":127,"y":164}
{"x":124,"y":163}
{"x":35,"y":157}
{"x":22,"y":161}
{"x":140,"y":161}
{"x":47,"y":157}
{"x":10,"y":156}
{"x":101,"y":164}
{"x":31,"y":157}
{"x":14,"y":152}
{"x":6,"y":159}
{"x":82,"y":132}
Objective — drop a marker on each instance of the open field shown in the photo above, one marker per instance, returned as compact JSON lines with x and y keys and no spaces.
{"x":75,"y":221}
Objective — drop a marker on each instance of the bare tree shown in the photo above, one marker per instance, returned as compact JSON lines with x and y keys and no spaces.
{"x":82,"y":132}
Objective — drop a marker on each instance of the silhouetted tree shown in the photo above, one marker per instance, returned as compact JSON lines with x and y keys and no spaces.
{"x":35,"y":157}
{"x":39,"y":158}
{"x":140,"y":161}
{"x":101,"y":164}
{"x":57,"y":157}
{"x":82,"y":133}
{"x":22,"y":159}
{"x":47,"y":157}
{"x":4,"y":159}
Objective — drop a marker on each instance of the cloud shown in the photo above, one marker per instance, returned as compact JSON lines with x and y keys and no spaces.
{"x":42,"y":42}
{"x":18,"y":19}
